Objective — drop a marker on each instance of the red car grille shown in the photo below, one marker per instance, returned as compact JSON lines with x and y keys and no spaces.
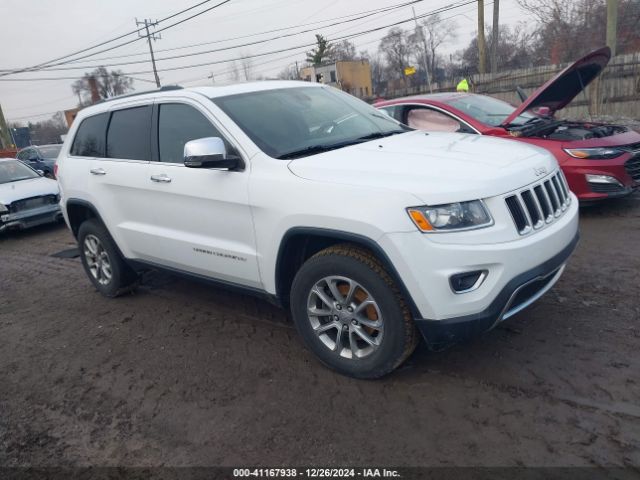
{"x":534,"y":207}
{"x":633,"y":167}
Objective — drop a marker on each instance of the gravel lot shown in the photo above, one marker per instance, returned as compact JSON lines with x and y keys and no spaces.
{"x":183,"y":374}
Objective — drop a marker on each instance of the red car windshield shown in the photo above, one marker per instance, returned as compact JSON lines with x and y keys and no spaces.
{"x":487,"y":110}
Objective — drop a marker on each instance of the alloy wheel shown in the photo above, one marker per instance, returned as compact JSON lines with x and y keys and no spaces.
{"x":345,"y":317}
{"x":97,"y":259}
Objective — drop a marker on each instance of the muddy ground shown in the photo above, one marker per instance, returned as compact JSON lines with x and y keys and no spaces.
{"x":183,"y":374}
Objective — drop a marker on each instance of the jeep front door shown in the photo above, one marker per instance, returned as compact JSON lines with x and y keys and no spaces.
{"x":201,"y":217}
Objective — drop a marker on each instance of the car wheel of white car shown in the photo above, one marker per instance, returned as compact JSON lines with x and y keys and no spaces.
{"x":351,"y":314}
{"x":102,"y":262}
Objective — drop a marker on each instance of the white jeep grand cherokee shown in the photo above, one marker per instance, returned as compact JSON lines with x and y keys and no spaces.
{"x":369,"y":231}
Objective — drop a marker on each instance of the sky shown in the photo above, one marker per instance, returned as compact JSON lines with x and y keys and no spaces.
{"x":36,"y":31}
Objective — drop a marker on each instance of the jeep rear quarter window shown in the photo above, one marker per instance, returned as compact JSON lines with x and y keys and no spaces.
{"x":129,"y":135}
{"x":90,"y":138}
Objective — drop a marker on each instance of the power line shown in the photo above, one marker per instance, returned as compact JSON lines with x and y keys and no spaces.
{"x":33,"y":116}
{"x":182,"y":47}
{"x":184,"y":67}
{"x":433,"y":12}
{"x":223,"y":72}
{"x":365,"y":32}
{"x":51,"y":62}
{"x":231,"y":47}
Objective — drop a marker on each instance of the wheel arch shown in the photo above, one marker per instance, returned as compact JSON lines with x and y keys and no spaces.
{"x":300,"y":243}
{"x":78,"y":211}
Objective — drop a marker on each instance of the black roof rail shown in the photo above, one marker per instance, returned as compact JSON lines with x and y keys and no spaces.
{"x":166,"y":88}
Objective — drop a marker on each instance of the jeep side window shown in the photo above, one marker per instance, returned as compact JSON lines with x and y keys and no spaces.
{"x":178,"y":124}
{"x":129,"y":134}
{"x":90,"y":137}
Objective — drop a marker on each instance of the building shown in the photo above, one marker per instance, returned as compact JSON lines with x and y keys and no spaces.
{"x":353,"y":77}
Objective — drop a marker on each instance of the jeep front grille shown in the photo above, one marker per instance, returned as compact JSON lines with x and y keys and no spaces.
{"x":536,"y":206}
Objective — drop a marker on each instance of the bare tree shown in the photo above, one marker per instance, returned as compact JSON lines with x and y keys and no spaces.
{"x":288,"y":73}
{"x":109,"y":83}
{"x":344,"y":51}
{"x":246,"y":65}
{"x":567,"y":29}
{"x":48,"y":131}
{"x":396,"y":49}
{"x":437,"y":31}
{"x":234,"y":72}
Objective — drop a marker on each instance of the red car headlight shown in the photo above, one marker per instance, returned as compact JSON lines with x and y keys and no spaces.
{"x":602,"y":153}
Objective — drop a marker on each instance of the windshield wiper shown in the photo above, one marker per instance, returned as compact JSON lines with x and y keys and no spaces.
{"x":373,"y":136}
{"x":312,"y":150}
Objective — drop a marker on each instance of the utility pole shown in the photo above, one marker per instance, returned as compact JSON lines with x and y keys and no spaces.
{"x":6,"y":137}
{"x":495,"y":35}
{"x":482,"y":45}
{"x":612,"y":25}
{"x":424,"y":44}
{"x":150,"y":36}
{"x":213,"y":79}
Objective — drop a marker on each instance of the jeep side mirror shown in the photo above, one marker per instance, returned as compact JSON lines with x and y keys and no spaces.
{"x":209,"y":152}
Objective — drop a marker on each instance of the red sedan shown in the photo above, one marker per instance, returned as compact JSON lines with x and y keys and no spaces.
{"x":600,"y":161}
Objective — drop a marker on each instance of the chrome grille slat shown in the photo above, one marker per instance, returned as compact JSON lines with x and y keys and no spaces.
{"x":542,"y":216}
{"x":554,"y":198}
{"x":544,"y":202}
{"x":559,"y":192}
{"x":532,"y":211}
{"x":533,"y":207}
{"x":517,"y":213}
{"x":565,"y":187}
{"x":525,"y":209}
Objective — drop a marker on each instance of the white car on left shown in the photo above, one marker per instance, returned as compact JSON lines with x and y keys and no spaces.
{"x":27,"y":198}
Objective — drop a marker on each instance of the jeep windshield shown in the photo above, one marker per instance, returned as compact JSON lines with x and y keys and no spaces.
{"x":488,"y":110}
{"x":296,"y":122}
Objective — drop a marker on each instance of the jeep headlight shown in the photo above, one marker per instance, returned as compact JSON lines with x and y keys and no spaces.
{"x":451,"y":217}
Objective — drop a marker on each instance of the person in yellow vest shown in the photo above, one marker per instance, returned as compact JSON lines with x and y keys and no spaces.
{"x":463,"y":86}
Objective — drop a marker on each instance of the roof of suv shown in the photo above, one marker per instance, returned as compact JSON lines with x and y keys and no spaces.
{"x":236,"y":88}
{"x":220,"y":90}
{"x":209,"y":92}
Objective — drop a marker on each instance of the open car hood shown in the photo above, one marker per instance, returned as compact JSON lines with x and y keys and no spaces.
{"x":567,"y":85}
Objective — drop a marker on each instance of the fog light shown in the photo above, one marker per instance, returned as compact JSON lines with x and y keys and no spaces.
{"x":603,"y":179}
{"x":468,"y":281}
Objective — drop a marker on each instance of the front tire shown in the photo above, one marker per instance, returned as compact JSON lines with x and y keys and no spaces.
{"x":350,"y":313}
{"x":102,"y":262}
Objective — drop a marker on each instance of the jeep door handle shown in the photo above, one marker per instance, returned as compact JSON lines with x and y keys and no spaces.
{"x":98,"y":171}
{"x":162,"y":178}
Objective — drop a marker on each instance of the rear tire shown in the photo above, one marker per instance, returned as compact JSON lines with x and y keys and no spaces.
{"x":102,"y":262}
{"x":350,"y":312}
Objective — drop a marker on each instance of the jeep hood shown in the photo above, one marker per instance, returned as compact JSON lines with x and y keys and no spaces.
{"x":435,"y":167}
{"x":33,"y":187}
{"x":558,"y":92}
